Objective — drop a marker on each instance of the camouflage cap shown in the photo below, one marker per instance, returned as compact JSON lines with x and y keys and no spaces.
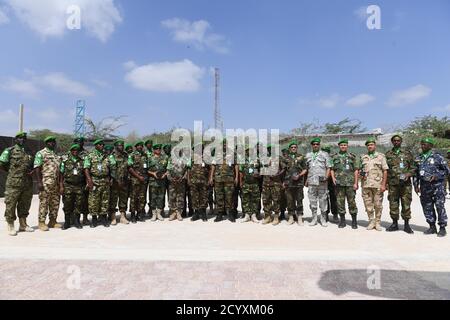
{"x":139,"y":143}
{"x":21,"y":134}
{"x":119,"y":142}
{"x":428,"y":140}
{"x":49,"y":138}
{"x":371,"y":140}
{"x":74,"y":147}
{"x":99,"y":141}
{"x":343,"y":141}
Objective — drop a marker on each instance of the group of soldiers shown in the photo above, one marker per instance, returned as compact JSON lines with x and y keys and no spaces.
{"x":113,"y":179}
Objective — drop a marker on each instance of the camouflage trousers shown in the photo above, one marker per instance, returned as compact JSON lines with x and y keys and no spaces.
{"x":211,"y":197}
{"x":332,"y":199}
{"x":236,"y":195}
{"x":20,"y":198}
{"x":271,"y":196}
{"x":400,"y":194}
{"x":119,"y":195}
{"x":158,"y":196}
{"x":432,"y":198}
{"x":188,"y":199}
{"x":99,"y":199}
{"x":294,"y":199}
{"x":250,"y":198}
{"x":349,"y":194}
{"x":49,"y":202}
{"x":199,"y":195}
{"x":138,"y":197}
{"x":72,"y":199}
{"x":373,"y":202}
{"x":224,"y":196}
{"x":318,"y":198}
{"x":149,"y":199}
{"x":177,"y":197}
{"x":85,"y":202}
{"x":283,"y":200}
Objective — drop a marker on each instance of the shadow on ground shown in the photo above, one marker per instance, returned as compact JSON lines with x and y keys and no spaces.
{"x":387,"y":284}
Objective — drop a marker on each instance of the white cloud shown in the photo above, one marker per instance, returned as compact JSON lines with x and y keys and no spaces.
{"x":62,"y":84}
{"x":4,"y":19}
{"x":360,"y":100}
{"x":182,"y":76}
{"x":24,"y":87}
{"x":197,"y":34}
{"x":443,"y":109}
{"x":327,"y":102}
{"x":408,"y":96}
{"x":361,"y":13}
{"x":48,"y":17}
{"x":130,"y":65}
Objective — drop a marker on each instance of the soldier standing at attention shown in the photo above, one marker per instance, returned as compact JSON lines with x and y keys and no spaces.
{"x":97,"y":170}
{"x":18,"y":164}
{"x":401,"y":169}
{"x":71,"y":184}
{"x":149,"y":152}
{"x":138,"y":167}
{"x":119,"y":188}
{"x":82,"y":153}
{"x":157,"y":181}
{"x":332,"y":201}
{"x":249,"y":174}
{"x":198,"y":183}
{"x":47,"y":164}
{"x":177,"y":169}
{"x":319,"y":166}
{"x":374,"y":178}
{"x":167,"y":150}
{"x":344,"y":175}
{"x":293,"y":184}
{"x":429,"y":183}
{"x":283,"y":200}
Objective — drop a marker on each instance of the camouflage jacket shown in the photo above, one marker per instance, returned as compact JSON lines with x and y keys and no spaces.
{"x":99,"y":166}
{"x":177,"y":169}
{"x":317,"y":164}
{"x":294,"y":165}
{"x":400,"y":162}
{"x":119,"y":166}
{"x":431,"y":165}
{"x":198,"y":173}
{"x":249,"y":169}
{"x":271,"y":180}
{"x":158,"y":165}
{"x":225,"y":172}
{"x":72,"y":171}
{"x":344,"y":167}
{"x":373,"y":167}
{"x":138,"y":161}
{"x":50,"y":163}
{"x":18,"y":163}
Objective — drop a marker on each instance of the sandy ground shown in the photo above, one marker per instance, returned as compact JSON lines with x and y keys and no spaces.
{"x":187,"y":260}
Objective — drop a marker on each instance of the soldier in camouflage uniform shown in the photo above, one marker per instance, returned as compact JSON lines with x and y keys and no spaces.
{"x":157,"y":181}
{"x":167,"y":150}
{"x":120,"y":185}
{"x":18,"y":164}
{"x":72,"y":182}
{"x":374,"y":178}
{"x":283,"y":200}
{"x":332,"y":200}
{"x":138,"y":166}
{"x":344,"y":175}
{"x":82,"y":153}
{"x":271,"y":192}
{"x":430,"y":185}
{"x":224,"y":177}
{"x":249,"y":175}
{"x":177,"y":170}
{"x":149,"y":152}
{"x":129,"y":150}
{"x":319,"y":166}
{"x":47,"y":164}
{"x":198,"y":183}
{"x":401,"y":169}
{"x":295,"y":165}
{"x":97,"y":169}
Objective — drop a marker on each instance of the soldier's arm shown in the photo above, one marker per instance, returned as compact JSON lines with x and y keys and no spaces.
{"x":61,"y":178}
{"x":4,"y":160}
{"x":38,"y":161}
{"x":211,"y":175}
{"x":87,"y":173}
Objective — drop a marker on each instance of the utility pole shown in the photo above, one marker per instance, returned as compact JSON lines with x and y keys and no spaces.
{"x":218,"y":122}
{"x":21,"y":118}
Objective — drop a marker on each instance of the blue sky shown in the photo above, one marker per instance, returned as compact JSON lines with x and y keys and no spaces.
{"x":282,"y":62}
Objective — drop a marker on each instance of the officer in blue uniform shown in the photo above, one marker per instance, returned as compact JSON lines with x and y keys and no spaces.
{"x":429,"y":183}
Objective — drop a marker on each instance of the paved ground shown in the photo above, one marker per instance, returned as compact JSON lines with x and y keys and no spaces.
{"x":186,"y":260}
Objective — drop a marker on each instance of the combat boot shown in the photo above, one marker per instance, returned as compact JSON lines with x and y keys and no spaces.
{"x":291,"y":220}
{"x":23,"y":226}
{"x":113,"y":219}
{"x":276,"y":220}
{"x":179,"y":217}
{"x":85,"y":220}
{"x":173,"y":216}
{"x":67,"y":223}
{"x":42,"y":226}
{"x":342,"y":223}
{"x":123,"y":218}
{"x":105,"y":220}
{"x":378,"y":226}
{"x":371,"y":225}
{"x":314,"y":220}
{"x":407,"y":227}
{"x":254,"y":218}
{"x":159,"y":214}
{"x":267,"y":219}
{"x":76,"y":222}
{"x":354,"y":222}
{"x":432,"y":230}
{"x":133,"y":218}
{"x":335,"y":218}
{"x":323,"y":221}
{"x":219,"y":217}
{"x":11,"y":229}
{"x":231,"y":216}
{"x":195,"y":216}
{"x":300,"y":221}
{"x":94,"y":222}
{"x":442,"y":232}
{"x":246,"y":218}
{"x":204,"y":215}
{"x":53,"y":224}
{"x":154,"y":216}
{"x":394,"y":226}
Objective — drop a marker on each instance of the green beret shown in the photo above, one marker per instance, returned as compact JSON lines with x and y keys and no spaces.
{"x":109,"y":147}
{"x":128,"y":146}
{"x":79,"y":139}
{"x":269,"y":147}
{"x":448,"y":151}
{"x":149,"y":141}
{"x":74,"y":147}
{"x":139,"y":143}
{"x":284,"y":150}
{"x":21,"y":135}
{"x":342,"y":141}
{"x":119,"y":142}
{"x":99,"y":141}
{"x":327,"y":149}
{"x":396,"y":136}
{"x":316,"y":140}
{"x":49,"y":138}
{"x":371,"y":140}
{"x":429,"y":140}
{"x":157,"y":146}
{"x":293,"y":143}
{"x":167,"y":145}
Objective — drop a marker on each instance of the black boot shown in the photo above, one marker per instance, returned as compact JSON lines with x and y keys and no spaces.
{"x":133,"y":217}
{"x":393,"y":227}
{"x":354,"y":222}
{"x":105,"y":220}
{"x":432,"y":230}
{"x":141,"y":217}
{"x":231,"y":216}
{"x":442,"y":232}
{"x":77,"y":223}
{"x":335,"y":218}
{"x":204,"y":215}
{"x":67,"y":223}
{"x":342,"y":223}
{"x":94,"y":222}
{"x":407,"y":228}
{"x":195,"y":217}
{"x":219,"y":217}
{"x":327,"y":217}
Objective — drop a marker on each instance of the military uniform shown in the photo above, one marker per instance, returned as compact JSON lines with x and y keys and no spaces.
{"x":224,"y":183}
{"x":138,"y":161}
{"x":250,"y":172}
{"x":84,"y":206}
{"x":158,"y":164}
{"x":271,"y":195}
{"x":19,"y":185}
{"x":373,"y":166}
{"x":294,"y":165}
{"x":149,"y":153}
{"x":317,"y":164}
{"x":177,"y":170}
{"x":119,"y":188}
{"x":198,"y":184}
{"x":49,"y":198}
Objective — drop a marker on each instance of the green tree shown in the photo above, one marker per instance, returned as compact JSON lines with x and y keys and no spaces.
{"x":427,"y":126}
